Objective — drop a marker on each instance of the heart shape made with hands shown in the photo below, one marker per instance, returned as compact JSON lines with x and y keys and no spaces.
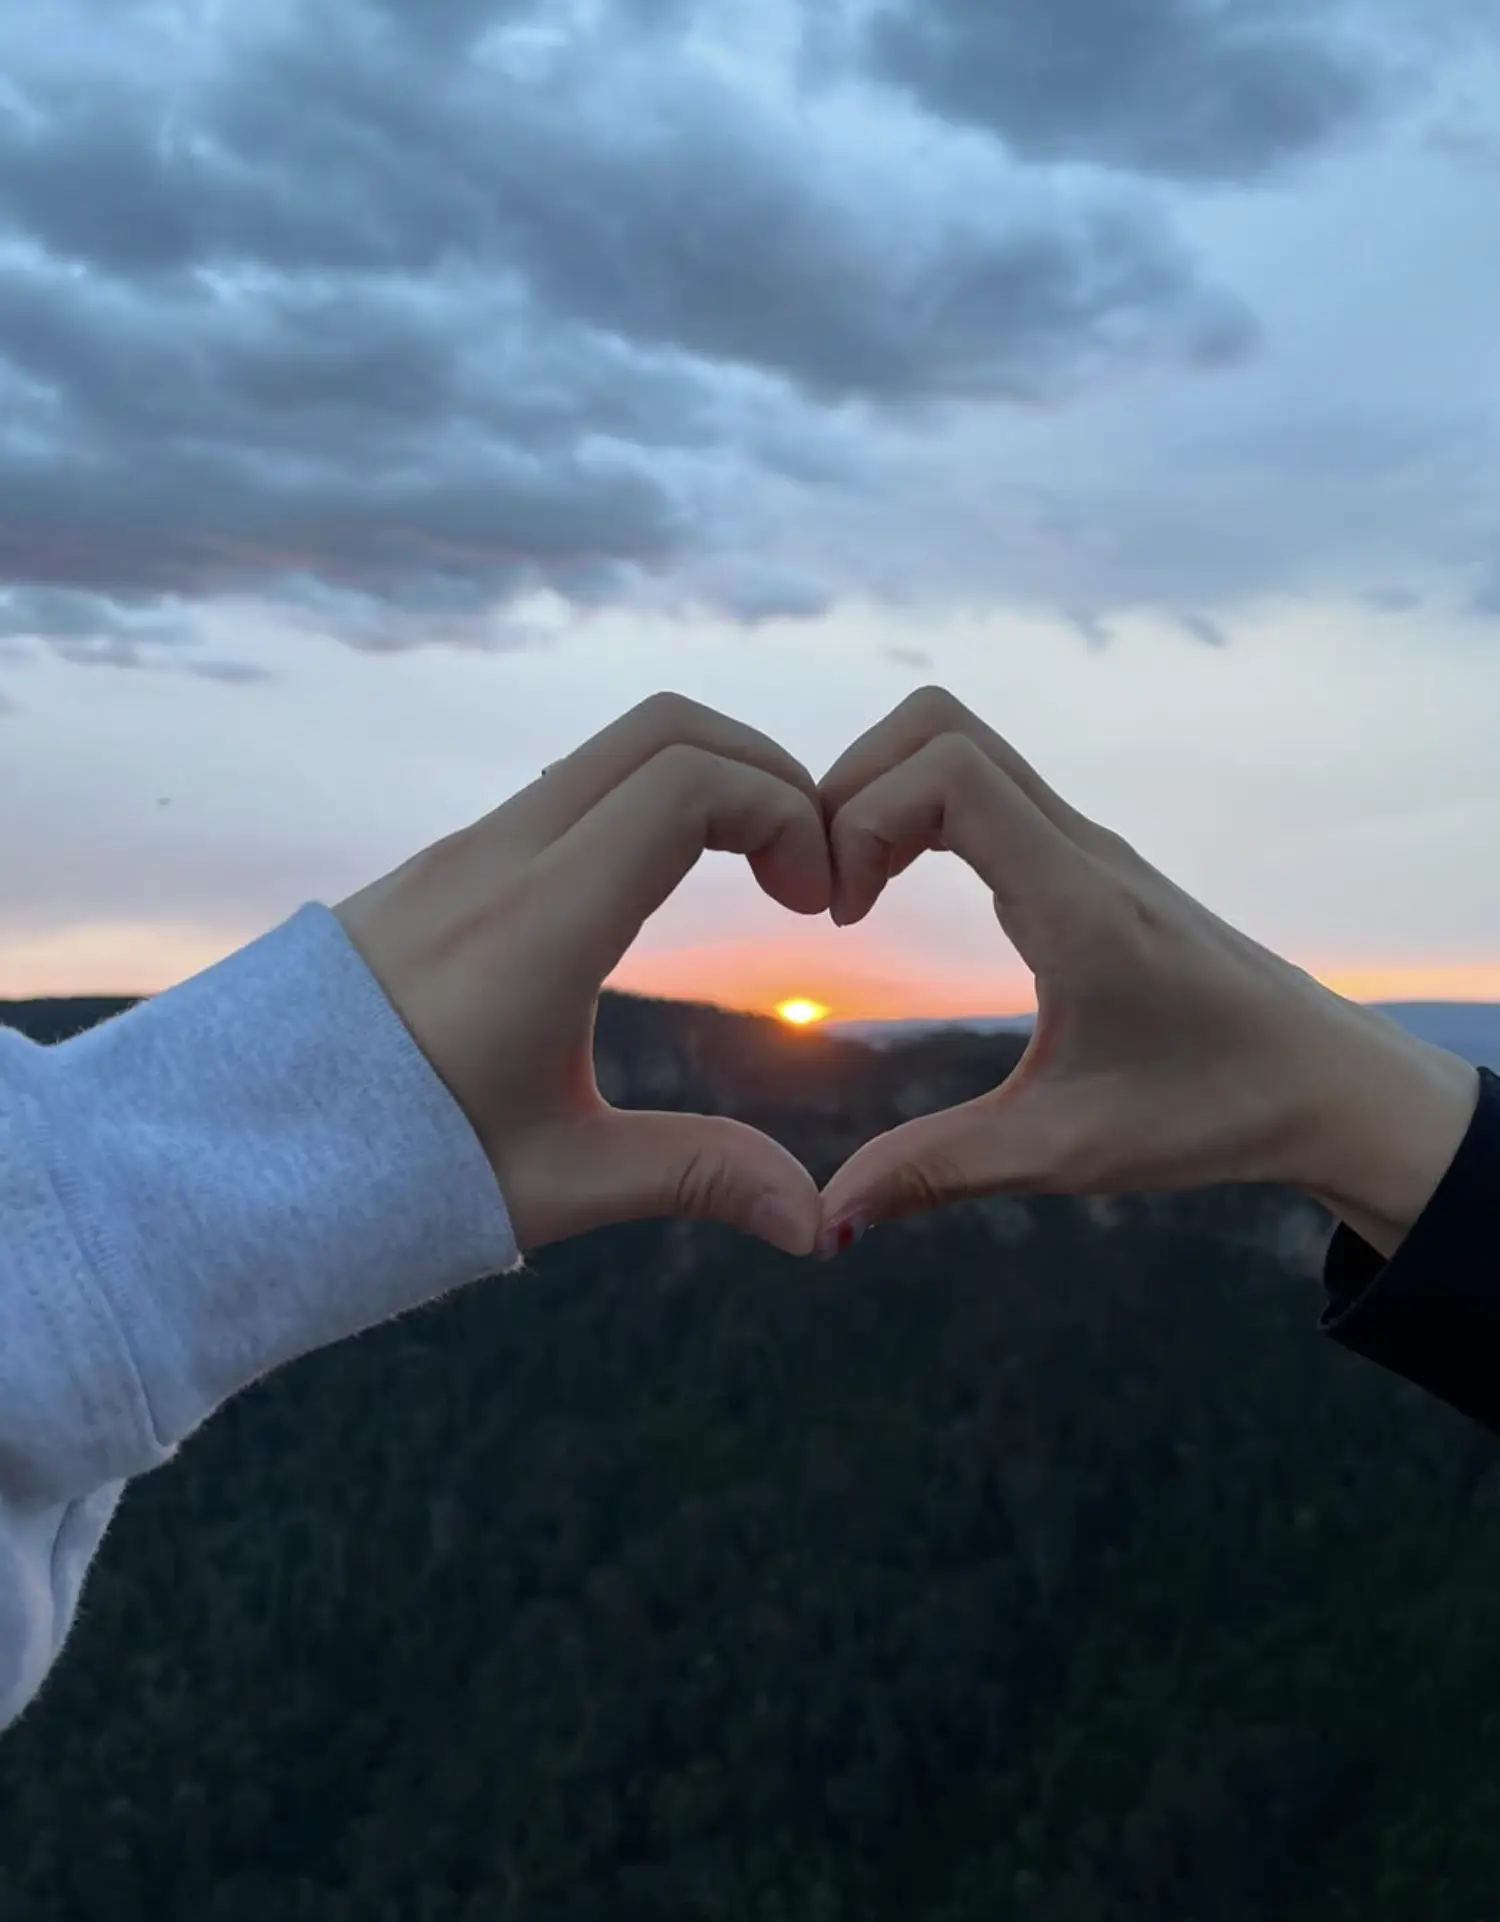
{"x":1169,"y":1050}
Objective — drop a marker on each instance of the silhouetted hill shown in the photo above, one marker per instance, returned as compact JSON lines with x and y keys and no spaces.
{"x":1036,"y":1560}
{"x":56,"y":1020}
{"x":1469,"y":1029}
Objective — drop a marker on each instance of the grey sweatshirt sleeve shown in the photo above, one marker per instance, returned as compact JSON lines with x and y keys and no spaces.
{"x":249,"y":1166}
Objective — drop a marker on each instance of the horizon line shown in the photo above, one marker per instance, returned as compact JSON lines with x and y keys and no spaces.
{"x":830,"y":1024}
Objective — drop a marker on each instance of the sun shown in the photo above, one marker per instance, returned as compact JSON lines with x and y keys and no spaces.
{"x":801,"y":1013}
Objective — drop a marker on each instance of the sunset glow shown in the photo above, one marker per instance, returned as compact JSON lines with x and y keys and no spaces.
{"x":116,"y":956}
{"x":799,"y":1013}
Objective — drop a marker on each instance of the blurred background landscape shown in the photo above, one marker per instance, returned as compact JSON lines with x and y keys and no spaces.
{"x":1037,"y":1560}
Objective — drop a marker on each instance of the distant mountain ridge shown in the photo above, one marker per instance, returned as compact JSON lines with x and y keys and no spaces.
{"x":885,"y":1034}
{"x":1467,"y":1028}
{"x":1470,"y":1029}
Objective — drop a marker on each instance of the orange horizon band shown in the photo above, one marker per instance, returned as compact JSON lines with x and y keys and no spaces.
{"x":135,"y":959}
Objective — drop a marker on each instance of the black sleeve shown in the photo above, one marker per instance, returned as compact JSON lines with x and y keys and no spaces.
{"x":1432,"y":1312}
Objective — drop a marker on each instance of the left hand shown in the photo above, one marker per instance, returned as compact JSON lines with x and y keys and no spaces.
{"x":493,"y":944}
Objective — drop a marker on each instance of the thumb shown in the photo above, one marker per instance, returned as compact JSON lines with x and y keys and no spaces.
{"x":703,"y":1168}
{"x":983,"y":1147}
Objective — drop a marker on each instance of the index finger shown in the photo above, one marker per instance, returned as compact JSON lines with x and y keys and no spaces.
{"x":926,"y":716}
{"x":618,"y":865}
{"x":567,"y":790}
{"x":951,"y":795}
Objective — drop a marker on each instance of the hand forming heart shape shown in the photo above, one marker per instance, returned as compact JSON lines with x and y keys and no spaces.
{"x":1170,"y":1051}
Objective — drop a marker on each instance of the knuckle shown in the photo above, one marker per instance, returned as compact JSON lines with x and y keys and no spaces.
{"x":667,"y":713}
{"x":923,"y":1187}
{"x":681,"y":764}
{"x":959,"y":760}
{"x":855,"y":824}
{"x":792,"y":812}
{"x":933,"y":709}
{"x":702,"y":1187}
{"x":689,"y":1185}
{"x":1109,"y":846}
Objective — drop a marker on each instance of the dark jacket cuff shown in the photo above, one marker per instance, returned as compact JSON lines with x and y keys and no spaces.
{"x":1432,"y":1312}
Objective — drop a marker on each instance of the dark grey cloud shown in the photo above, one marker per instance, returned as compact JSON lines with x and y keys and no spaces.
{"x":674,"y":210}
{"x":95,"y":630}
{"x":1203,"y":629}
{"x":1209,"y":90}
{"x":1394,"y":600}
{"x":231,"y":673}
{"x":66,"y":615}
{"x":398,"y":310}
{"x":1084,"y":621}
{"x":179,"y":442}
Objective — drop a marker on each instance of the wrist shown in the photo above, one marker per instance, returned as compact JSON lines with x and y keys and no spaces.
{"x":1383,"y":1117}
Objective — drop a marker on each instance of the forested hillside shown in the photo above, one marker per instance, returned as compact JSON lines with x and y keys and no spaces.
{"x":1035,"y":1561}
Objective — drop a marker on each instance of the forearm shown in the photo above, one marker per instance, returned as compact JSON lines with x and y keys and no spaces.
{"x":252,"y":1165}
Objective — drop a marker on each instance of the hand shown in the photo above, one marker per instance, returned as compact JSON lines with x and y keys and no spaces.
{"x":493,"y":943}
{"x":1170,"y":1051}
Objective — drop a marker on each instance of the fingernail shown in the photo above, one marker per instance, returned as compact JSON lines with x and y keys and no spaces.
{"x":773,"y":1221}
{"x":840,"y":1236}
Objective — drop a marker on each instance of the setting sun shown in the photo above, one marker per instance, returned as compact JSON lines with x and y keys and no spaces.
{"x":802,"y":1014}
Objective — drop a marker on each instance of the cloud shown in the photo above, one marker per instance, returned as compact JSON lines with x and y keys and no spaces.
{"x":1203,"y":630}
{"x":650,"y":199}
{"x":231,"y":673}
{"x":285,"y":315}
{"x":1486,"y":601}
{"x":67,"y":616}
{"x":1187,"y":89}
{"x":1467,"y":146}
{"x":1394,"y":600}
{"x":1084,"y":621}
{"x":446,"y":23}
{"x":184,"y":442}
{"x":758,"y":597}
{"x":94,"y":630}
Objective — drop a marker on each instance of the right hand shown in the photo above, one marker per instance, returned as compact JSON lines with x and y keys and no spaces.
{"x":1170,"y":1051}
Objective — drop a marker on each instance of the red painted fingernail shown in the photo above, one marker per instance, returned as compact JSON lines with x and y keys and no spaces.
{"x":840,"y":1236}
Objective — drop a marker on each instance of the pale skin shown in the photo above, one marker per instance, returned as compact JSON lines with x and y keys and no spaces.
{"x":493,"y":943}
{"x":1170,"y":1052}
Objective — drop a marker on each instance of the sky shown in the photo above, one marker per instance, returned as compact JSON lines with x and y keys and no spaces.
{"x":391,"y":394}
